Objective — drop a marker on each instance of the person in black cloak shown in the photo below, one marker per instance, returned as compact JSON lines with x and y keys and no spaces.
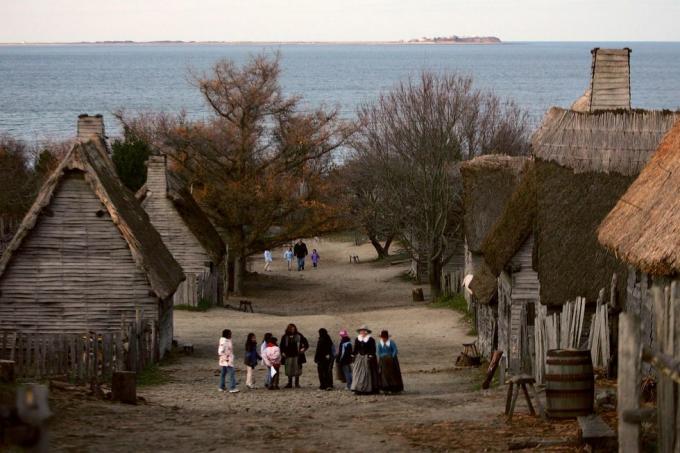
{"x":324,"y":359}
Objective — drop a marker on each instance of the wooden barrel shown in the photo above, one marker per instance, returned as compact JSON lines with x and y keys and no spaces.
{"x":569,"y":383}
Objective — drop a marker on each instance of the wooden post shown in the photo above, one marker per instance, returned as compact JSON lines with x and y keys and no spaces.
{"x":628,"y":391}
{"x":124,"y":387}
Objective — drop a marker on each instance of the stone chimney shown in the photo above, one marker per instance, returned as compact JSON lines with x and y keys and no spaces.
{"x":610,"y":81}
{"x":90,"y":126}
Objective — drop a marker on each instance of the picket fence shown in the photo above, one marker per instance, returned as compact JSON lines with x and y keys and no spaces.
{"x":88,"y":357}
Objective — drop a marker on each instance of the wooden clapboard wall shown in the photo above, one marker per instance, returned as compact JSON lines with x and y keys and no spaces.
{"x":178,"y":238}
{"x":525,"y":283}
{"x":610,"y":82}
{"x":74,"y":272}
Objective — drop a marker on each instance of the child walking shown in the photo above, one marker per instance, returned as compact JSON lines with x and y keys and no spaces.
{"x":315,"y":259}
{"x":225,"y":351}
{"x":251,"y":359}
{"x":268,"y":258}
{"x":272,"y":358}
{"x":288,"y":256}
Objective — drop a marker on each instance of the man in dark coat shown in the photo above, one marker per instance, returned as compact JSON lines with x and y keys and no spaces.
{"x":300,"y":251}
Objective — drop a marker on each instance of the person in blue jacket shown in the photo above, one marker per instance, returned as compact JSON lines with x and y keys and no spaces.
{"x":388,"y":364}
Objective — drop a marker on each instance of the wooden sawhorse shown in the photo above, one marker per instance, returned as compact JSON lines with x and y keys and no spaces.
{"x":514,"y":384}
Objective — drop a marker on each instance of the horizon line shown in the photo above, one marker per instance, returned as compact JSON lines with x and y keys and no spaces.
{"x":292,"y":42}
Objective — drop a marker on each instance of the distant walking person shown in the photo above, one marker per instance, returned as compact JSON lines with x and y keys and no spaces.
{"x":272,"y":359}
{"x":365,"y":370}
{"x":251,"y":358}
{"x":293,"y":347}
{"x":344,"y":358}
{"x":226,"y":354}
{"x":390,"y":373}
{"x":315,"y":259}
{"x":263,"y":346}
{"x":301,"y":252}
{"x":268,"y":258}
{"x":288,"y":257}
{"x":324,"y":359}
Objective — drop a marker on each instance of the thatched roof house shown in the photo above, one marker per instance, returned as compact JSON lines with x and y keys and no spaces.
{"x":488,"y":183}
{"x":183,"y":225}
{"x":584,"y":163}
{"x":511,"y":231}
{"x":643,"y":229}
{"x":86,"y":254}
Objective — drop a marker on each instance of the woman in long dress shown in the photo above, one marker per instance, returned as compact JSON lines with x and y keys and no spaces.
{"x":365,"y":369}
{"x":293,"y":347}
{"x":390,"y":373}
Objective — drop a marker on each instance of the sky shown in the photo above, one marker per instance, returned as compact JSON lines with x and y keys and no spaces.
{"x":337,"y":20}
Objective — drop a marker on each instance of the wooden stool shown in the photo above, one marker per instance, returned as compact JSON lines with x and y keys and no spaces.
{"x":246,"y":306}
{"x":514,"y":384}
{"x":188,"y":348}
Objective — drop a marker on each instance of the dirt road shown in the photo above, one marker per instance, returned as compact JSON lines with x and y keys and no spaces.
{"x":441,"y":409}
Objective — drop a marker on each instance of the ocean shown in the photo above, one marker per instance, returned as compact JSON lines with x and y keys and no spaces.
{"x":44,"y":87}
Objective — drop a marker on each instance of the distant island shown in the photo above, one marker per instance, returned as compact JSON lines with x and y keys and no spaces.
{"x":436,"y":40}
{"x":453,"y":39}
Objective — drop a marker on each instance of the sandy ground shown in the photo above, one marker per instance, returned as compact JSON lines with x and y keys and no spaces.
{"x":441,"y":409}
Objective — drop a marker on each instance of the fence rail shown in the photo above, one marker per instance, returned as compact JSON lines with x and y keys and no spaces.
{"x":87,"y":357}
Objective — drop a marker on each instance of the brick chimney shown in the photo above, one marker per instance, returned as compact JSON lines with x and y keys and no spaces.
{"x":610,"y":81}
{"x":90,"y":126}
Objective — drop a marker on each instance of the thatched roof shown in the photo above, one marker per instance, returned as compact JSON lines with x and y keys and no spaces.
{"x":610,"y":81}
{"x":192,"y":214}
{"x":488,"y":182}
{"x":145,"y":243}
{"x":620,"y":141}
{"x":506,"y":237}
{"x":643,"y":229}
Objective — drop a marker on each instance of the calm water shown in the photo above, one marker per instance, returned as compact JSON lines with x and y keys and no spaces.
{"x":44,"y":88}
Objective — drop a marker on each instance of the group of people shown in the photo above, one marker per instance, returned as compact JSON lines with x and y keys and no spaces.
{"x":366,"y":366}
{"x":298,"y":252}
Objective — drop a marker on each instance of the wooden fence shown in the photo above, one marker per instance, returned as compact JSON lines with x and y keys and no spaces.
{"x":88,"y":357}
{"x":206,"y":285}
{"x":665,"y":359}
{"x":451,"y":282}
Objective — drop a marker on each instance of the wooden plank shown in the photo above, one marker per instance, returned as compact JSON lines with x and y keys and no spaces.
{"x":665,"y":397}
{"x":628,"y":390}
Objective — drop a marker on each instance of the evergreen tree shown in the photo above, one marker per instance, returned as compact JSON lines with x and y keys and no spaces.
{"x":130,"y":156}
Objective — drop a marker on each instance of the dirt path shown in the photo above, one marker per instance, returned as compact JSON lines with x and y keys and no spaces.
{"x":189,"y":414}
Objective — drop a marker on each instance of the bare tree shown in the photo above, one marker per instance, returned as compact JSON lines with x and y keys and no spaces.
{"x":414,"y":136}
{"x":260,"y":164}
{"x":366,"y":203}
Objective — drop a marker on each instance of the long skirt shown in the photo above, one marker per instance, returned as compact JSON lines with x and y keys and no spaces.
{"x":390,"y":375}
{"x":365,"y":375}
{"x":293,"y":368}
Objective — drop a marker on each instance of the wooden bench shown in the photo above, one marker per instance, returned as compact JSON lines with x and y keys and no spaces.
{"x":514,"y":385}
{"x":354,"y":259}
{"x":188,"y":348}
{"x":593,"y":431}
{"x":245,"y":306}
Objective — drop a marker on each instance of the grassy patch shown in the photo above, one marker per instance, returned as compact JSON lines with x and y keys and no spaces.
{"x":152,"y":375}
{"x":203,"y":305}
{"x":457,"y":303}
